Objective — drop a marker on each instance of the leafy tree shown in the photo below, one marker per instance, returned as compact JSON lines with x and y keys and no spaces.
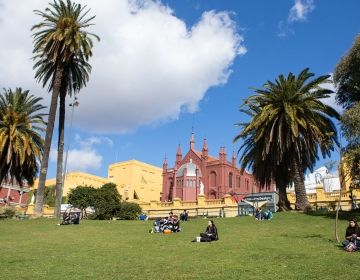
{"x":347,"y":82}
{"x":350,"y":125}
{"x":290,"y":125}
{"x":60,"y":44}
{"x":82,"y":197}
{"x":21,"y":145}
{"x":129,"y":210}
{"x":347,"y":77}
{"x":107,"y":202}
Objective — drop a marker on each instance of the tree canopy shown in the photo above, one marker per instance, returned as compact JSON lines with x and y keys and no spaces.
{"x":289,"y":126}
{"x":21,"y":145}
{"x":347,"y":76}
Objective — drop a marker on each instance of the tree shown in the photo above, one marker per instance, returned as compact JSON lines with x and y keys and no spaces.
{"x":107,"y":202}
{"x":21,"y":145}
{"x":129,"y":211}
{"x":347,"y":82}
{"x":350,"y":125}
{"x":347,"y":77}
{"x":290,"y":125}
{"x":59,"y":45}
{"x":82,"y":197}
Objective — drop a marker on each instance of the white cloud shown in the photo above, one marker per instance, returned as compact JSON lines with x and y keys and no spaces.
{"x":84,"y":157}
{"x":300,"y":10}
{"x":148,"y":67}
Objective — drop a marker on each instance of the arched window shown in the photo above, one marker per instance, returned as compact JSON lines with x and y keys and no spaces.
{"x":230,"y":179}
{"x":238,"y":182}
{"x":212,"y":179}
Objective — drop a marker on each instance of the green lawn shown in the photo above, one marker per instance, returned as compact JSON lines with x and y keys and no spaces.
{"x":292,"y":246}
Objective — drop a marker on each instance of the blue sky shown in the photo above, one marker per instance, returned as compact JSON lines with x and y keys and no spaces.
{"x":163,"y":68}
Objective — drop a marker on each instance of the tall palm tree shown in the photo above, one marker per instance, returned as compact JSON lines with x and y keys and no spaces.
{"x":21,"y":146}
{"x":75,"y":77}
{"x":59,"y":45}
{"x":289,"y":127}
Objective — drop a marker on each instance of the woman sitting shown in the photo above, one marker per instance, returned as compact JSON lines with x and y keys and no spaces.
{"x":352,"y":236}
{"x":210,"y":234}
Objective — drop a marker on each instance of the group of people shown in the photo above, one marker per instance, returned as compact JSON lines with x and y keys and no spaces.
{"x":70,"y":218}
{"x":170,"y":223}
{"x":263,"y":214}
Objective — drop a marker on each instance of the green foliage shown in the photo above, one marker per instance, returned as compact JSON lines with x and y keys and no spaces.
{"x":289,"y":127}
{"x":107,"y":202}
{"x":8,"y":212}
{"x":350,"y":125}
{"x":347,"y":77}
{"x":347,"y":81}
{"x":21,"y":145}
{"x":82,"y":197}
{"x":129,"y":211}
{"x":61,"y":39}
{"x":49,"y":196}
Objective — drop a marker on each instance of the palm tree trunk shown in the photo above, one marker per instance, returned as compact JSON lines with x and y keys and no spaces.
{"x":60,"y":155}
{"x":281,"y":184}
{"x":48,"y":138}
{"x":284,"y":203}
{"x":302,"y":201}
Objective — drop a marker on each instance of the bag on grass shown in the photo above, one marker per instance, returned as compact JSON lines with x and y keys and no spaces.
{"x":350,"y":247}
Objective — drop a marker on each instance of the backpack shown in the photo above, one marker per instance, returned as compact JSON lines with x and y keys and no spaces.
{"x":350,"y":247}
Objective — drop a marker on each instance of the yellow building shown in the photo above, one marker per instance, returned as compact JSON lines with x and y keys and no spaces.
{"x":136,"y":181}
{"x":74,"y":179}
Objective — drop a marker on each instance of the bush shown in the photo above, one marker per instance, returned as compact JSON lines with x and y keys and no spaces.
{"x":9,"y":212}
{"x":129,"y":211}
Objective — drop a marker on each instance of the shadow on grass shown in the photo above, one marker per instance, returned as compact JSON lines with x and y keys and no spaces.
{"x":343,"y":215}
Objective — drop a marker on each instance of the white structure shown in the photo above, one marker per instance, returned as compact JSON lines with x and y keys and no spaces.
{"x":321,"y":177}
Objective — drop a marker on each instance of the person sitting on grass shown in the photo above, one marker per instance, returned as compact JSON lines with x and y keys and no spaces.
{"x":184,"y":216}
{"x":75,"y":219}
{"x":66,"y":219}
{"x":210,"y":234}
{"x":352,"y":236}
{"x":268,"y":215}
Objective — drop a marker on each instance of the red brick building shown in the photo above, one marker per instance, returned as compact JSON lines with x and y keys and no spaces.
{"x":13,"y":194}
{"x":199,"y":173}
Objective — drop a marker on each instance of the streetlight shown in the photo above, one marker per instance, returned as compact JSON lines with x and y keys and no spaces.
{"x":74,"y":104}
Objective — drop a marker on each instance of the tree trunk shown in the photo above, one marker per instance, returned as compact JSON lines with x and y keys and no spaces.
{"x":298,"y":176}
{"x":60,"y":155}
{"x":284,"y":203}
{"x":48,"y":138}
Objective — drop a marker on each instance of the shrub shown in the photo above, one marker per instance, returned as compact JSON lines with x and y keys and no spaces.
{"x":9,"y":212}
{"x":129,"y":211}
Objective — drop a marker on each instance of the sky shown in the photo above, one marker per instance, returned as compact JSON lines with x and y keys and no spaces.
{"x":166,"y":68}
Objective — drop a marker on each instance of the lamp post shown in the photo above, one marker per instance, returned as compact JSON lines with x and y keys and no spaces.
{"x":74,"y":104}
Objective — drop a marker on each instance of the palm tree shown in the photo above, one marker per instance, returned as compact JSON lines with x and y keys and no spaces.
{"x":21,"y":145}
{"x":61,"y":44}
{"x":290,"y":125}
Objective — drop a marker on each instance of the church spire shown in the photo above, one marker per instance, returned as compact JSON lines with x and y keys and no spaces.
{"x":233,"y":159}
{"x":205,"y":149}
{"x":192,"y":140}
{"x":165,"y":163}
{"x":178,"y":156}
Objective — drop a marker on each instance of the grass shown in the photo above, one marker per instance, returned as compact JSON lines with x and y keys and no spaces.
{"x":291,"y":246}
